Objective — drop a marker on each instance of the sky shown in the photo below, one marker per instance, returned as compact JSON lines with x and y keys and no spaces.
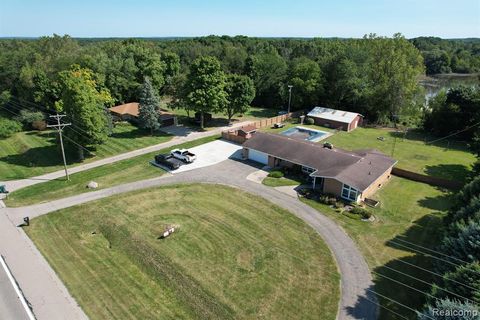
{"x":279,"y":18}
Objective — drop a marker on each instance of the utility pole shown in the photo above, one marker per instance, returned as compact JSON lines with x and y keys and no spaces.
{"x":59,"y":127}
{"x":289,"y":96}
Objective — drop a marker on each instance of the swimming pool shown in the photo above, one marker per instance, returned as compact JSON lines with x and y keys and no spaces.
{"x":305,"y":134}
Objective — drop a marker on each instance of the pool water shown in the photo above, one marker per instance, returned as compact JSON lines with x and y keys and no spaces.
{"x":305,"y":134}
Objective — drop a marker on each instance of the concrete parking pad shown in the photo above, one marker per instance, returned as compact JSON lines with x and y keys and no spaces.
{"x":212,"y":153}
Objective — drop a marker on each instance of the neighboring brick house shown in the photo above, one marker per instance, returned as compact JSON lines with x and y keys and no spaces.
{"x":129,"y":112}
{"x":335,"y":119}
{"x":351,"y":175}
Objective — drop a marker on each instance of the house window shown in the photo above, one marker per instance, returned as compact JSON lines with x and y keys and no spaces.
{"x":307,"y":170}
{"x":349,"y":193}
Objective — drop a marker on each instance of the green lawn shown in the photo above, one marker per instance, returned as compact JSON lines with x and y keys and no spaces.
{"x":129,"y":170}
{"x":32,"y":153}
{"x":279,"y":182}
{"x":444,"y":159}
{"x":234,"y":256}
{"x":409,"y":211}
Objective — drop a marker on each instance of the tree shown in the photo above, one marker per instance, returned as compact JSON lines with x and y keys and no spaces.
{"x":206,"y":87}
{"x":463,"y":246}
{"x":84,"y":103}
{"x":148,"y":115}
{"x":306,"y":77}
{"x":240,"y":93}
{"x":468,"y":274}
{"x":393,"y":69}
{"x":450,"y":310}
{"x":268,"y":71}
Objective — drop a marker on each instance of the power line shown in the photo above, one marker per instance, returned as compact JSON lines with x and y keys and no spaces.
{"x":453,"y":134}
{"x":431,"y":250}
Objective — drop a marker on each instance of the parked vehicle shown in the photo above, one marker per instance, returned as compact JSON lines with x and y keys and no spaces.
{"x":184,"y":155}
{"x":168,"y":161}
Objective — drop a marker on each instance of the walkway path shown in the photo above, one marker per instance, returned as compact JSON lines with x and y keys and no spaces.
{"x":355,"y":274}
{"x":181,"y":135}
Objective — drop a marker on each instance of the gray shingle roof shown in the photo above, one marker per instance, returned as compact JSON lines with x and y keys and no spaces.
{"x":358,"y":169}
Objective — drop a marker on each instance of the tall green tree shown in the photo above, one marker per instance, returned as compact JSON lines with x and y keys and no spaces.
{"x":240,"y":93}
{"x":84,"y":103}
{"x":205,"y":88}
{"x":463,"y":311}
{"x":149,"y":104}
{"x":394,"y":66}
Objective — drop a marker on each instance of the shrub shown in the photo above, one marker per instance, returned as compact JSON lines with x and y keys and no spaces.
{"x":309,"y":121}
{"x":328,"y":200}
{"x":9,"y":127}
{"x":362,"y":212}
{"x":28,"y":117}
{"x":276,"y":174}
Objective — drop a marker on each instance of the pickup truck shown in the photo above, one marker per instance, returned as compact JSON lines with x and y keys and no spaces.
{"x":184,"y":155}
{"x":168,"y":161}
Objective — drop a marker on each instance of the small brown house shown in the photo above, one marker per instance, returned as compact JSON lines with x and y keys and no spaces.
{"x":335,"y":119}
{"x":351,"y":175}
{"x":129,"y":112}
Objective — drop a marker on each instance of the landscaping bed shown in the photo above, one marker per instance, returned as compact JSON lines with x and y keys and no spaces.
{"x":233,"y":256}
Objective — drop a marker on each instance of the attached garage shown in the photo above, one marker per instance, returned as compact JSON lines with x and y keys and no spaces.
{"x":257,"y":156}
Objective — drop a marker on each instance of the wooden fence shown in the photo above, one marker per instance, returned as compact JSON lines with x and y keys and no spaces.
{"x":434,"y":181}
{"x":231,"y":136}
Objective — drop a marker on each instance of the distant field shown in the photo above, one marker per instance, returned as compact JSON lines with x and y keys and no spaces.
{"x":449,"y":160}
{"x":32,"y":153}
{"x":234,"y":256}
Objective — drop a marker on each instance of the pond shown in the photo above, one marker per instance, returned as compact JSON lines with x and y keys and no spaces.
{"x":435,"y":83}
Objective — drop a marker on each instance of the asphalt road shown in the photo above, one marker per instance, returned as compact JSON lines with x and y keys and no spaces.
{"x":10,"y":305}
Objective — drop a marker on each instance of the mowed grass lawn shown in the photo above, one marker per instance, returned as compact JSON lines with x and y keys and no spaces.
{"x":410,"y":212}
{"x":448,"y":160}
{"x":234,"y":256}
{"x":109,"y":175}
{"x":32,"y":153}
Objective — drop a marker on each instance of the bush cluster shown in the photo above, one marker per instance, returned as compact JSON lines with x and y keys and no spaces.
{"x":328,"y":200}
{"x":276,"y":174}
{"x":9,"y":127}
{"x":362,"y":212}
{"x":309,"y":121}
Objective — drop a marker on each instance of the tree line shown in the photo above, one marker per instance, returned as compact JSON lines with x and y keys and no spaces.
{"x":446,"y":56}
{"x":375,"y":76}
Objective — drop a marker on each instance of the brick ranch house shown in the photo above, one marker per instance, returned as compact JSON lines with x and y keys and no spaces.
{"x":351,"y":175}
{"x":129,"y":112}
{"x":335,"y":119}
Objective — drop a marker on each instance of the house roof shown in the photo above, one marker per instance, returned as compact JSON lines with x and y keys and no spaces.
{"x":333,"y":114}
{"x":132,"y":109}
{"x":248,"y":128}
{"x":358,"y":169}
{"x":127,"y":108}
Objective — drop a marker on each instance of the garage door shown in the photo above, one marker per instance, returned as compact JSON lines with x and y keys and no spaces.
{"x":258,"y":156}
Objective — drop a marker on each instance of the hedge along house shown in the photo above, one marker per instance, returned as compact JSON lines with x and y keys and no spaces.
{"x":335,"y":119}
{"x":129,"y":112}
{"x":351,"y":175}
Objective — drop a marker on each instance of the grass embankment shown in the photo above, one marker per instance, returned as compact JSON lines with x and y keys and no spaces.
{"x":409,"y":211}
{"x":280,"y":182}
{"x":234,"y":256}
{"x":32,"y":153}
{"x":109,"y":175}
{"x":445,"y":159}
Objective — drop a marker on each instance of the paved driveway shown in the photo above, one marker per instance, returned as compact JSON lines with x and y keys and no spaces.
{"x":212,"y":153}
{"x":357,"y":299}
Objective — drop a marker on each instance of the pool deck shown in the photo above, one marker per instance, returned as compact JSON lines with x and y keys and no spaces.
{"x":296,"y":133}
